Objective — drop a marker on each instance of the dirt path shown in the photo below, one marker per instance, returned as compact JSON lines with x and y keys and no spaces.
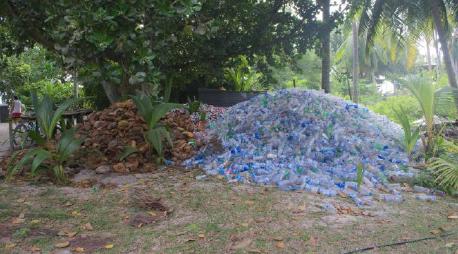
{"x":210,"y":216}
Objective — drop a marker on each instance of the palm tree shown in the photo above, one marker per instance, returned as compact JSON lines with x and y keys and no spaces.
{"x":428,"y":52}
{"x":326,"y":47}
{"x":412,"y":16}
{"x":354,"y":27}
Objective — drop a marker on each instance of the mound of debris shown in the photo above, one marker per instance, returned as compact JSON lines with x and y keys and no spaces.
{"x":108,"y":133}
{"x":303,"y":139}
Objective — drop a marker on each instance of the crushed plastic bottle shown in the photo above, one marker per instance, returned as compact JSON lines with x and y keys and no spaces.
{"x":423,"y":197}
{"x":391,"y":198}
{"x":305,"y":139}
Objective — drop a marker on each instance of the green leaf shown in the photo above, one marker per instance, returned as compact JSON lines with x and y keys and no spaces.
{"x":160,"y":111}
{"x":128,"y":150}
{"x":67,"y":145}
{"x":28,"y":157}
{"x":36,"y":137}
{"x":59,"y":112}
{"x":12,"y":168}
{"x":359,"y":174}
{"x":446,"y":171}
{"x":144,"y":107}
{"x":40,"y":156}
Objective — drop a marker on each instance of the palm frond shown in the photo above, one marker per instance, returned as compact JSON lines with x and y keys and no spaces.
{"x":446,"y":172}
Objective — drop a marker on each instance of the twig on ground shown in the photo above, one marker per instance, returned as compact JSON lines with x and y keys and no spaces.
{"x":401,"y":243}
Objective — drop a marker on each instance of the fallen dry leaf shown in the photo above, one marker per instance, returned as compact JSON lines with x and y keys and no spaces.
{"x":280,"y":244}
{"x":10,"y":245}
{"x":242,"y":244}
{"x":254,"y":251}
{"x":108,"y":246}
{"x":453,"y":216}
{"x":449,"y":245}
{"x":249,"y":202}
{"x":75,"y":213}
{"x":88,"y":227}
{"x":313,"y":241}
{"x":62,"y":244}
{"x":35,"y":221}
{"x":201,"y":236}
{"x":436,"y":231}
{"x":18,"y":220}
{"x":21,"y":200}
{"x":67,"y":204}
{"x":34,"y":248}
{"x":79,"y":249}
{"x":71,"y":234}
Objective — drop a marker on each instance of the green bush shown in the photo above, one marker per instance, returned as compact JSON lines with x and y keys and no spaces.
{"x":52,"y":153}
{"x":409,"y":103}
{"x":56,"y":91}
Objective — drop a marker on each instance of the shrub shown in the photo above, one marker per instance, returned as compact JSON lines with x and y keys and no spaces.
{"x":50,"y":155}
{"x":409,"y":103}
{"x":152,"y":111}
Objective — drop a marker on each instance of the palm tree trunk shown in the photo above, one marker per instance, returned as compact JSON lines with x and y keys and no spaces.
{"x":443,"y":41}
{"x":326,"y":49}
{"x":438,"y":53}
{"x":428,"y":52}
{"x":355,"y":61}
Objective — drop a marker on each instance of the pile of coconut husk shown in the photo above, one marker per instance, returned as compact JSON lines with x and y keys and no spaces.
{"x":109,"y":133}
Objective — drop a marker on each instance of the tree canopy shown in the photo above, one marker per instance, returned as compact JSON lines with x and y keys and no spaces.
{"x":123,"y":46}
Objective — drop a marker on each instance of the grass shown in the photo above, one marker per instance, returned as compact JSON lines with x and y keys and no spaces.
{"x":213,"y":216}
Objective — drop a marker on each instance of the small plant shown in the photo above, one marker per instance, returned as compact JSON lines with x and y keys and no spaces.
{"x":202,"y":116}
{"x":411,"y":135}
{"x":50,"y":155}
{"x":243,"y":77}
{"x":152,"y":111}
{"x":432,"y":102}
{"x":446,"y":172}
{"x":128,"y":150}
{"x":194,"y":106}
{"x":359,"y":174}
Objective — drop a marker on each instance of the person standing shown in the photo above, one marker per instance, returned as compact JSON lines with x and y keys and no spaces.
{"x":17,"y":108}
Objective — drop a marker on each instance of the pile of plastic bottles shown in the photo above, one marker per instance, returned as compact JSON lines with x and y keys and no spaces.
{"x":304,"y":139}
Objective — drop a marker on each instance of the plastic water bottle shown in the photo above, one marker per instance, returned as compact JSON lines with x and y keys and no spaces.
{"x":391,"y":198}
{"x":430,"y":198}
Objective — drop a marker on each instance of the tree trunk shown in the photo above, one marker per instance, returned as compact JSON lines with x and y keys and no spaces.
{"x":326,"y":48}
{"x":355,"y":61}
{"x":428,"y":53}
{"x":111,"y":91}
{"x":437,"y":18}
{"x":438,"y":53}
{"x":443,"y":40}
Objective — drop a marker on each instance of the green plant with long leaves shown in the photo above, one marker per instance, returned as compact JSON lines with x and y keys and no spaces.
{"x":432,"y":102}
{"x":445,"y":170}
{"x":411,"y":135}
{"x":152,"y":111}
{"x":48,"y":117}
{"x":243,"y":77}
{"x":50,"y":159}
{"x":359,"y":174}
{"x":51,"y":154}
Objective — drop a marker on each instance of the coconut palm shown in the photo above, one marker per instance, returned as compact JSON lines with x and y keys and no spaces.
{"x":412,"y":16}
